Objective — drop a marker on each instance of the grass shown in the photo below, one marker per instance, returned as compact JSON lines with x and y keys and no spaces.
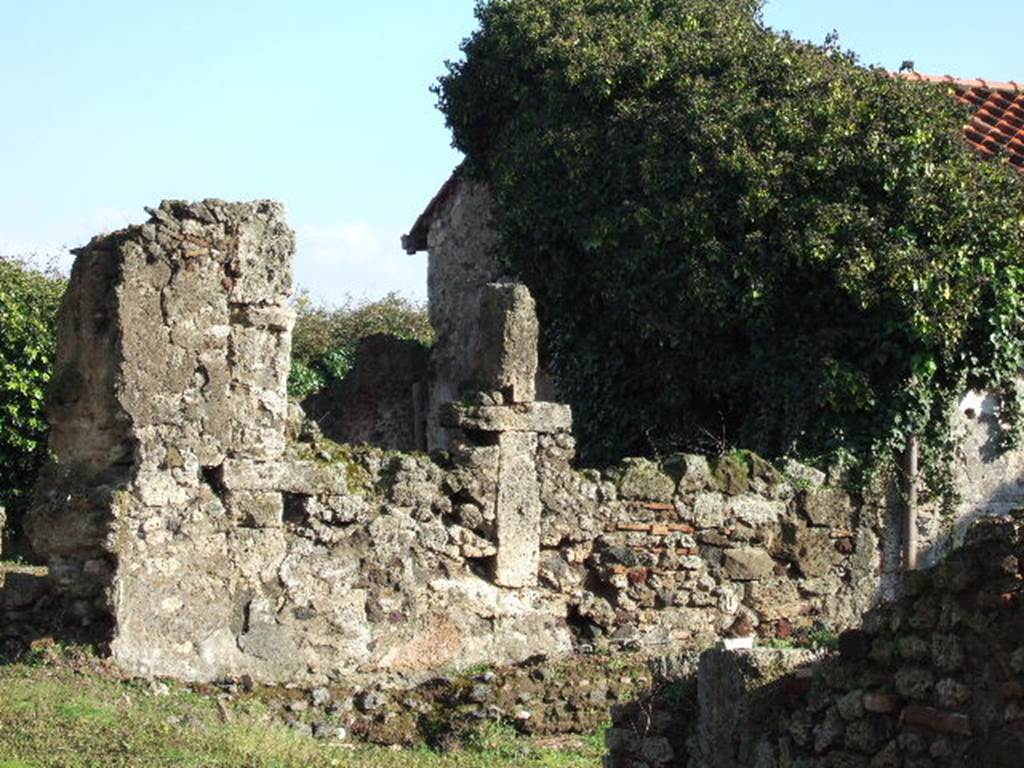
{"x":54,"y":716}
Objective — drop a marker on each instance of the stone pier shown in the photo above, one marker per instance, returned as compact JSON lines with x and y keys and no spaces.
{"x":505,"y":412}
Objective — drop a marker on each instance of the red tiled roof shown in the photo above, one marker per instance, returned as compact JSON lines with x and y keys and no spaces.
{"x":997,"y":123}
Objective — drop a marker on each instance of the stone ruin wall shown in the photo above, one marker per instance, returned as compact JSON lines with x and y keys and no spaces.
{"x":934,"y":679}
{"x":173,"y":355}
{"x":382,"y":399}
{"x":196,"y":510}
{"x":462,"y":243}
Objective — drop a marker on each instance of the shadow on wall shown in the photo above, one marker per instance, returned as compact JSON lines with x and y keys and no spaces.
{"x":33,"y":615}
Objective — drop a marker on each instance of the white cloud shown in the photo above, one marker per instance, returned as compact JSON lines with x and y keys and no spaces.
{"x":356,"y":259}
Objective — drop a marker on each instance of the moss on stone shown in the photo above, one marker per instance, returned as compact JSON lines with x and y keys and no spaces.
{"x":644,"y":480}
{"x":356,"y":461}
{"x":731,"y":473}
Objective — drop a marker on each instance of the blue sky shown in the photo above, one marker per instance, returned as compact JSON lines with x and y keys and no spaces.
{"x":108,"y":106}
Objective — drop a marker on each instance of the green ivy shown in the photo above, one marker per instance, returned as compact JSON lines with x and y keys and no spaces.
{"x":28,"y":314}
{"x":735,"y":237}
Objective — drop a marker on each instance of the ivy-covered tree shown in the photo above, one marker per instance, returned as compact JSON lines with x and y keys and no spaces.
{"x":734,"y":236}
{"x":29,"y":300}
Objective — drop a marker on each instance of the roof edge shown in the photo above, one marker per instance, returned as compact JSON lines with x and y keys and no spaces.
{"x":1011,"y":86}
{"x":416,"y":240}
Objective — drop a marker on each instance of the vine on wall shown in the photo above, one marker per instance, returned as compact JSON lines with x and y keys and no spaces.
{"x":732,"y":233}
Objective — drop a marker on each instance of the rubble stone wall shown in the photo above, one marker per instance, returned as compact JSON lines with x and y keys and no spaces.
{"x":933,"y":679}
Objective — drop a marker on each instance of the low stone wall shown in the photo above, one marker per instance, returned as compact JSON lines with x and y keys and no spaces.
{"x":933,"y":679}
{"x":219,"y":534}
{"x":733,"y":547}
{"x":542,"y":697}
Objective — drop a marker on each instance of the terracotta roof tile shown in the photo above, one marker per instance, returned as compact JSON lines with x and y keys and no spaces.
{"x":997,"y":126}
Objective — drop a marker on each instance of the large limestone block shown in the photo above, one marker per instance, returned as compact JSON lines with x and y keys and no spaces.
{"x":522,"y":417}
{"x":747,"y":564}
{"x":519,"y":511}
{"x":508,"y":342}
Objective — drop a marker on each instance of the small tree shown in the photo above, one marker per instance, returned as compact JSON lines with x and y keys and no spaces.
{"x":733,"y":233}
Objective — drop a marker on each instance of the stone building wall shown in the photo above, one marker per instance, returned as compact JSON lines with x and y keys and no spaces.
{"x":988,"y":477}
{"x":462,"y":242}
{"x":382,"y":399}
{"x":220,"y":534}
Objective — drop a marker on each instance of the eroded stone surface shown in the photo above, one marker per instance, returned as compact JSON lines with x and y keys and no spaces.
{"x":508,"y":347}
{"x":518,"y":511}
{"x":523,"y":417}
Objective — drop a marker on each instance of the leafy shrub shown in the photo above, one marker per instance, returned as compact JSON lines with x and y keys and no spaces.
{"x":325,"y":338}
{"x":29,"y":300}
{"x":750,"y":237}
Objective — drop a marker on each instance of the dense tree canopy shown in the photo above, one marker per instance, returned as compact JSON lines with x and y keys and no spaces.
{"x":734,"y":236}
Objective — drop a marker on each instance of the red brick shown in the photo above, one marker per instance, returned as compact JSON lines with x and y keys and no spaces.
{"x":637,"y":527}
{"x":936,"y":719}
{"x":680,"y":528}
{"x":658,"y":506}
{"x":637,"y":576}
